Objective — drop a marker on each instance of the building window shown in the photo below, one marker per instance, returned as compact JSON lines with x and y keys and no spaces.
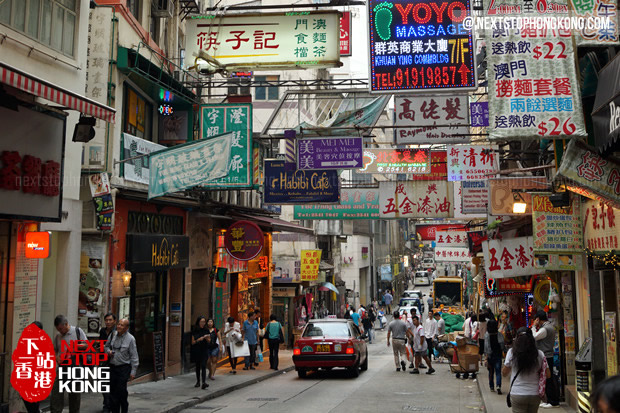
{"x":137,"y":117}
{"x":51,"y":22}
{"x":267,"y":92}
{"x":134,"y":8}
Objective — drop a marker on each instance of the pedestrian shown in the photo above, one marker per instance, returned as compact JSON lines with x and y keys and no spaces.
{"x":33,"y":407}
{"x":200,"y":353}
{"x":494,"y":349}
{"x":397,"y":330}
{"x":387,"y":299}
{"x":250,"y":334}
{"x":429,"y":301}
{"x":606,"y":396}
{"x":380,"y":315}
{"x":261,"y":331}
{"x":544,"y":334}
{"x":367,"y":323}
{"x":372,"y":314}
{"x":505,"y":327}
{"x":214,"y":342}
{"x":355,"y":316}
{"x":104,"y":334}
{"x":232,"y":332}
{"x":441,"y":324}
{"x":524,"y":362}
{"x":470,"y":327}
{"x":430,"y":328}
{"x":124,"y":361}
{"x":420,"y":346}
{"x":273,"y":330}
{"x":66,"y":333}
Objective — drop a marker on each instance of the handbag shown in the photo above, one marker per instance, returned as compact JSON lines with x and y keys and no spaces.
{"x":508,"y":402}
{"x":259,"y":356}
{"x":542,"y":379}
{"x":281,"y":335}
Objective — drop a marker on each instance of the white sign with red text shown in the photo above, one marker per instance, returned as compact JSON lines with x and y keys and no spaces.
{"x":471,"y":162}
{"x":451,"y":238}
{"x":416,"y":199}
{"x":452,"y":254}
{"x":601,"y":226}
{"x":509,"y":258}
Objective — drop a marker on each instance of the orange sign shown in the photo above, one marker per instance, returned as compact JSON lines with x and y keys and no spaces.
{"x":37,"y":244}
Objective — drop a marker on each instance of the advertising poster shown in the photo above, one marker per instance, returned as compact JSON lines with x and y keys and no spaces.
{"x":396,"y":161}
{"x":287,"y":271}
{"x":286,"y":186}
{"x":501,"y":193}
{"x":91,"y":304}
{"x":355,"y":203}
{"x":474,"y":197}
{"x":593,"y":36}
{"x":471,"y":162}
{"x":431,"y":119}
{"x":509,"y":257}
{"x":601,"y":226}
{"x":558,"y":262}
{"x":431,"y":199}
{"x":556,"y":230}
{"x":386,"y":272}
{"x":611,"y":344}
{"x":310,"y":260}
{"x":329,"y":153}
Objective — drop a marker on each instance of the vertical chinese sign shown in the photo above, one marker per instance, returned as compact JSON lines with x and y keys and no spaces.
{"x":601,"y":227}
{"x":310,"y":260}
{"x":509,"y":257}
{"x":471,"y":162}
{"x":556,"y":230}
{"x":431,"y":199}
{"x":479,"y":112}
{"x":345,"y":34}
{"x":216,"y":119}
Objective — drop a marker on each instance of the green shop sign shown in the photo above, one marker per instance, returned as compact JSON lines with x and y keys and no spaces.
{"x":355,"y":203}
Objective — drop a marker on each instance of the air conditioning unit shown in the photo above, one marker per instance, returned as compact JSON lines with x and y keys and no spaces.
{"x":162,"y":8}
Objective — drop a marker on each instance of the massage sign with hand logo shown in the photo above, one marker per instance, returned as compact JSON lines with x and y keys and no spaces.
{"x":34,"y":366}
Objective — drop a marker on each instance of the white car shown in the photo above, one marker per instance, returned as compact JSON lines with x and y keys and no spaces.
{"x":407,"y":310}
{"x":422,"y":278}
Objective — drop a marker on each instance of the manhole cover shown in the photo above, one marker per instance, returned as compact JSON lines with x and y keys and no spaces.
{"x":262,"y":399}
{"x":419,"y":408}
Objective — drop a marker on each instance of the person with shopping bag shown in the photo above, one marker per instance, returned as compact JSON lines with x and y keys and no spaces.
{"x":250,"y":335}
{"x":232,"y":332}
{"x":274,"y":333}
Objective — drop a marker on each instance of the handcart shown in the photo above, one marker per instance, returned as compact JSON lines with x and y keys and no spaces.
{"x":466,"y":360}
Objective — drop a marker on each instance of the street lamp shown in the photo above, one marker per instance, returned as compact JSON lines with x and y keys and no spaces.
{"x":126,"y":280}
{"x":519,"y":206}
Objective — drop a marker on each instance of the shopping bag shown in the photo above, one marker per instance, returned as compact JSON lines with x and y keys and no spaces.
{"x":241,"y":349}
{"x":409,"y":353}
{"x":259,"y":356}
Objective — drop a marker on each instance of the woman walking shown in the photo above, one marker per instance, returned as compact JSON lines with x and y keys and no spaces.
{"x":213,"y":347}
{"x":273,"y":331}
{"x":200,"y":350}
{"x":232,"y":332}
{"x":525,"y":363}
{"x":494,"y":349}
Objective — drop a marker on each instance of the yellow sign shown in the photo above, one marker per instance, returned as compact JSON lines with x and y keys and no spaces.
{"x":310,"y":260}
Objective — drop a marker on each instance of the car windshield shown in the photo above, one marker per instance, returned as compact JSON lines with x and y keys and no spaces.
{"x":327,"y":330}
{"x":408,"y":302}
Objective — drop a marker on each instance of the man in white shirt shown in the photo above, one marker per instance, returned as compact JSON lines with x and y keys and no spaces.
{"x":420,"y":347}
{"x":470,"y":327}
{"x":430,"y":328}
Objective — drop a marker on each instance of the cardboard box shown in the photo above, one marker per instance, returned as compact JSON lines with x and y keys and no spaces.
{"x":469,"y":362}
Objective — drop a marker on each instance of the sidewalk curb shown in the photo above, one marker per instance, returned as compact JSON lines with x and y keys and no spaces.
{"x":218,"y":393}
{"x":482,"y":397}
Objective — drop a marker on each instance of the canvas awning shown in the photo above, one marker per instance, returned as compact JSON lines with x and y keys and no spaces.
{"x":18,"y":79}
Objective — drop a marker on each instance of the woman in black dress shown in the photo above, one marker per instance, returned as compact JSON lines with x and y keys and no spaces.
{"x":200,"y":352}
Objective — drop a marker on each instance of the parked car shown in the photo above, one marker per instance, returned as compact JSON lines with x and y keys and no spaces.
{"x":329,"y":343}
{"x":411,"y":302}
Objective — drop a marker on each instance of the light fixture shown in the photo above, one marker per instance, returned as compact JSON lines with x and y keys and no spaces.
{"x":126,"y":280}
{"x":84,"y":130}
{"x":519,"y":206}
{"x":560,"y":199}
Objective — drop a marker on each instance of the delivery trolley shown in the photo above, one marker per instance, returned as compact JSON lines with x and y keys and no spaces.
{"x":466,"y":360}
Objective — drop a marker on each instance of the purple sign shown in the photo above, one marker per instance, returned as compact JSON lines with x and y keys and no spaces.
{"x":329,"y":153}
{"x":479,"y":113}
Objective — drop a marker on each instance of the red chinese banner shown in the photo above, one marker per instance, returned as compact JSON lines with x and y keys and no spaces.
{"x":439,"y":168}
{"x":345,"y":34}
{"x":601,"y":226}
{"x":429,"y":232}
{"x":431,"y":199}
{"x":509,"y":258}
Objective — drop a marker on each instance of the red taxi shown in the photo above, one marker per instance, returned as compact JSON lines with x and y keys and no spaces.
{"x":329,"y":343}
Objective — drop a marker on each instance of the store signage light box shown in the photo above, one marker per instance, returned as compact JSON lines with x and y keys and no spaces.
{"x":420,"y":46}
{"x":37,"y":244}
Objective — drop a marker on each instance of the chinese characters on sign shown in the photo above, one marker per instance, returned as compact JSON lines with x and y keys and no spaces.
{"x":429,"y":199}
{"x":471,"y":162}
{"x":396,"y":161}
{"x":429,"y":232}
{"x":291,"y":187}
{"x":601,"y":225}
{"x":604,"y":9}
{"x":439,"y":168}
{"x":329,"y":153}
{"x":533,"y":84}
{"x":431,"y":119}
{"x":137,"y":169}
{"x":102,"y":198}
{"x":359,"y":203}
{"x":509,"y":257}
{"x":216,"y":119}
{"x":420,"y":46}
{"x":267,"y":40}
{"x":452,"y":254}
{"x":310,"y":260}
{"x":345,"y":34}
{"x":451,"y":238}
{"x":479,"y":112}
{"x":244,"y":240}
{"x":556,"y":229}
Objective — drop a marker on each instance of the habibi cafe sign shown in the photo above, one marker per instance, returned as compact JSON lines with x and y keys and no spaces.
{"x":147,"y":252}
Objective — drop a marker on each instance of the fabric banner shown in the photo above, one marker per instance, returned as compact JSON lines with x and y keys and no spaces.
{"x":601,"y":227}
{"x":556,"y":230}
{"x":509,"y":257}
{"x":189,"y":165}
{"x":471,"y":162}
{"x":416,"y":119}
{"x":137,"y":169}
{"x":430,"y":199}
{"x":606,"y":10}
{"x":396,"y":161}
{"x":355,"y":203}
{"x":452,"y":254}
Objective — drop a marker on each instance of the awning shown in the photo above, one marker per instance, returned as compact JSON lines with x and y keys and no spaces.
{"x":46,"y":90}
{"x":606,"y":112}
{"x":275,"y":224}
{"x":328,"y":286}
{"x":324,"y":265}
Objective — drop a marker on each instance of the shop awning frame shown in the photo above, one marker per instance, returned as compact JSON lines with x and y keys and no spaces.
{"x":28,"y":83}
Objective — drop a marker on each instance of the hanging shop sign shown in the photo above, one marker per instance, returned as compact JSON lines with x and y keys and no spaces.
{"x":439,"y":168}
{"x":556,"y":230}
{"x":32,"y":160}
{"x":479,"y":112}
{"x":509,"y":257}
{"x":216,"y":119}
{"x":559,"y":262}
{"x":386,"y":272}
{"x":431,"y":119}
{"x":475,"y":239}
{"x":186,"y":166}
{"x":601,"y":226}
{"x":396,"y":161}
{"x":310,"y":260}
{"x":345,"y":33}
{"x":474,"y":197}
{"x":414,"y":46}
{"x":471,"y":162}
{"x":329,"y":153}
{"x":37,"y":244}
{"x":267,"y":41}
{"x":508,"y":286}
{"x":146,"y":252}
{"x":356,"y":203}
{"x":533,"y":84}
{"x":591,"y":175}
{"x":92,"y":291}
{"x":429,"y":232}
{"x":599,"y":35}
{"x":244,"y":240}
{"x":452,"y":254}
{"x":451,"y":238}
{"x":99,"y":184}
{"x":432,"y":199}
{"x":606,"y":111}
{"x":136,"y":153}
{"x":501,"y":193}
{"x":289,"y":186}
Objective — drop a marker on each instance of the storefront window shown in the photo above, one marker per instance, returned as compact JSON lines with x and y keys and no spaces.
{"x":137,"y":115}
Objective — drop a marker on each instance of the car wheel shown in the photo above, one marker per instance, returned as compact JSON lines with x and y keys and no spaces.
{"x":301,"y":373}
{"x":364,"y":365}
{"x":354,"y":371}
